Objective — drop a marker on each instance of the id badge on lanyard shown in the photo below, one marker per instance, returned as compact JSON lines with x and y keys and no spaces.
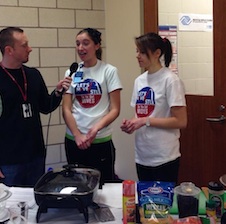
{"x":26,"y":108}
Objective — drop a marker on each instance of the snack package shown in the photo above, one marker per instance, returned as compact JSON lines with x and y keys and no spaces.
{"x":155,"y":198}
{"x":188,"y":220}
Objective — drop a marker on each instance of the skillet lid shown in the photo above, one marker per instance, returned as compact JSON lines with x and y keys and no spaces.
{"x":71,"y":179}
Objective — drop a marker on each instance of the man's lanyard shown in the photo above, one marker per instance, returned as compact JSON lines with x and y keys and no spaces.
{"x":24,"y":93}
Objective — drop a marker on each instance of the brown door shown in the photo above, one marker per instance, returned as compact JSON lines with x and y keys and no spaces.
{"x":203,"y":142}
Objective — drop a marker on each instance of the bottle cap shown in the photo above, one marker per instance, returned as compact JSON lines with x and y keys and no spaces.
{"x":215,"y":186}
{"x":128,"y":187}
{"x":187,"y":189}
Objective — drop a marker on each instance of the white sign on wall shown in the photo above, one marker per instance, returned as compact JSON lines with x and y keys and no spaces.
{"x":195,"y":22}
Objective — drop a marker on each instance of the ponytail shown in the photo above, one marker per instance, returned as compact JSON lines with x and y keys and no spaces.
{"x":168,"y":53}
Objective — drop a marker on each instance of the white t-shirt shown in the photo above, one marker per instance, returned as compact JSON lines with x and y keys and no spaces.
{"x":153,"y":96}
{"x":91,"y":96}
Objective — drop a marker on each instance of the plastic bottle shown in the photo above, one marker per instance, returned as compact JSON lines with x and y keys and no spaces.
{"x":129,"y":204}
{"x":211,"y":209}
{"x":216,"y":193}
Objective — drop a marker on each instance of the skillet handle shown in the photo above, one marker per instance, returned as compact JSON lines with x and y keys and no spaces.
{"x":67,"y":171}
{"x":70,"y":166}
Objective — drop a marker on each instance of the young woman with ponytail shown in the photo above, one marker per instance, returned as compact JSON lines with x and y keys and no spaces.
{"x":160,"y":112}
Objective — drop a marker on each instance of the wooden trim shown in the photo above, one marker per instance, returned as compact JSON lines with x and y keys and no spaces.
{"x":150,"y":16}
{"x":219,"y":26}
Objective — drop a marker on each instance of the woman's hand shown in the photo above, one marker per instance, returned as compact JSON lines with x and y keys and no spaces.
{"x":82,"y":141}
{"x":129,"y":126}
{"x":91,"y":135}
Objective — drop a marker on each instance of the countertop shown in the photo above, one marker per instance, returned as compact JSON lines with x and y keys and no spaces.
{"x":110,"y":195}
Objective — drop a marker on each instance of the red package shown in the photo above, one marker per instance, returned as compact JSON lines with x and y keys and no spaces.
{"x":189,"y":220}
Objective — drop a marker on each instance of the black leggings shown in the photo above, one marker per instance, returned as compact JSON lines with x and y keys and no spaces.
{"x":100,"y":156}
{"x":166,"y":172}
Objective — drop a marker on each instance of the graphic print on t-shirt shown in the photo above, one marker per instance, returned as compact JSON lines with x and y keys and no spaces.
{"x":88,"y":93}
{"x":145,"y":102}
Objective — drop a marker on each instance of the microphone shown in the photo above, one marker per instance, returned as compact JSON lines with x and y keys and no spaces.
{"x":73,"y":69}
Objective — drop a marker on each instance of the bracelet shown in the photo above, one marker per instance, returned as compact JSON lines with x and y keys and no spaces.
{"x":148,"y":123}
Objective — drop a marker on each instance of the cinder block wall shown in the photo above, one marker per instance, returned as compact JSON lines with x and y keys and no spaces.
{"x":51,"y":26}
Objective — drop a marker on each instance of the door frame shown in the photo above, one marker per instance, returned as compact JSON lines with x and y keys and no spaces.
{"x":202,"y":143}
{"x":150,"y":15}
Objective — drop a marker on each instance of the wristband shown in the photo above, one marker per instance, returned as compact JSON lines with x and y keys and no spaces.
{"x":148,"y":123}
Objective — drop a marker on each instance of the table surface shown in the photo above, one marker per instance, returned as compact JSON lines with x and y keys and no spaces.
{"x":110,"y":195}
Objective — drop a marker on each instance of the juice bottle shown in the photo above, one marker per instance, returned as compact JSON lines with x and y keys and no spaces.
{"x":129,"y":205}
{"x":216,"y":193}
